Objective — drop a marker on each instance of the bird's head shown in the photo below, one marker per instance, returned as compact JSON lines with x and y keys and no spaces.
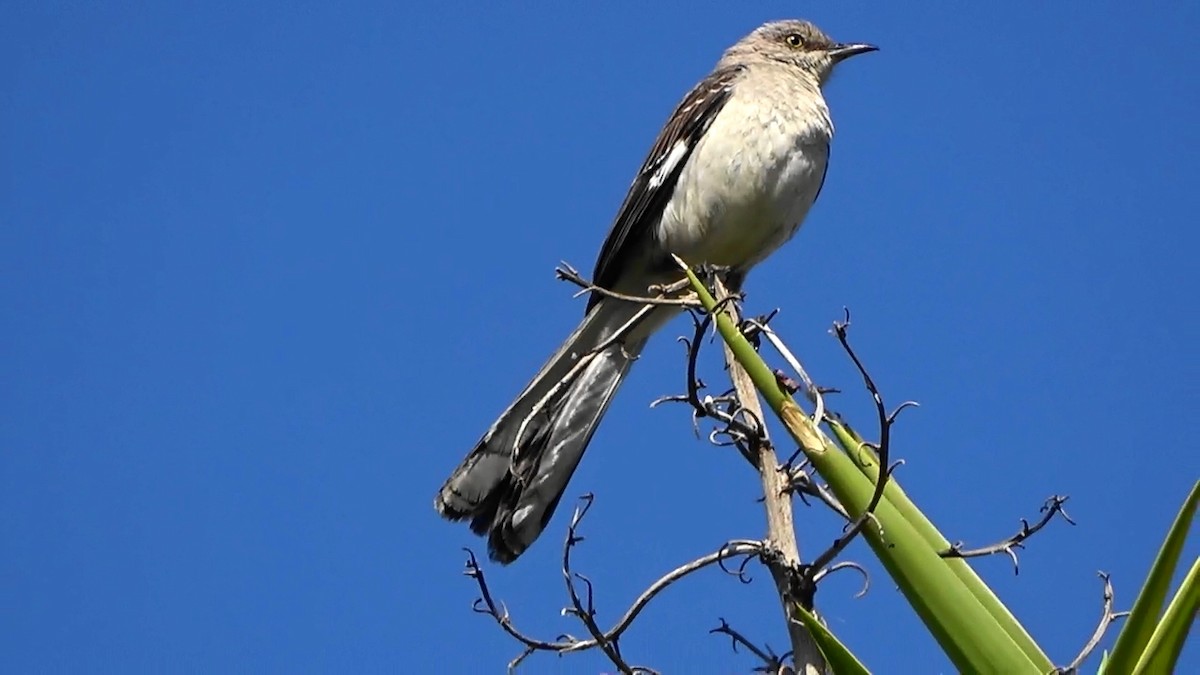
{"x":796,"y":43}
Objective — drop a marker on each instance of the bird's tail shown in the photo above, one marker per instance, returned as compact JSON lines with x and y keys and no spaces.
{"x":511,"y":482}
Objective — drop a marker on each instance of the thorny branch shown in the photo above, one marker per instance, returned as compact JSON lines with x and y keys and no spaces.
{"x":1052,"y":507}
{"x":583,"y":607}
{"x":1107,"y":617}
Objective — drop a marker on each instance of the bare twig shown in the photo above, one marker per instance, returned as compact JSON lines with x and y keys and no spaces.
{"x":740,"y":573}
{"x":800,"y":484}
{"x":565,"y":272}
{"x":512,"y":665}
{"x":587,"y":614}
{"x":726,"y":408}
{"x":734,"y":548}
{"x":694,"y":383}
{"x":1107,"y":617}
{"x":845,"y":565}
{"x":730,"y":549}
{"x":1052,"y":507}
{"x":772,"y":663}
{"x":487,"y":605}
{"x":841,"y":330}
{"x":583,"y":607}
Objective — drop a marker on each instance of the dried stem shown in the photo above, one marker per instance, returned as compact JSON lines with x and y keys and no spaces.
{"x":781,"y":531}
{"x":1107,"y":617}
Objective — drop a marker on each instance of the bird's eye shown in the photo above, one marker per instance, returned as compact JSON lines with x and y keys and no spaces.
{"x":794,"y":40}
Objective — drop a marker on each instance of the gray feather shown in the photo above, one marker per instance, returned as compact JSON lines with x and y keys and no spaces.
{"x":509,"y":487}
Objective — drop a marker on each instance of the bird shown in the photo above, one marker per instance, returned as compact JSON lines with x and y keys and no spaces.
{"x":729,"y":179}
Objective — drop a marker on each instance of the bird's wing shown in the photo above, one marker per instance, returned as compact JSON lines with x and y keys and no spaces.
{"x":655,"y":181}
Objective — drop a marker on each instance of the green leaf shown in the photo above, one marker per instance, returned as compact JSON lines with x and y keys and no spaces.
{"x":868,"y":463}
{"x":1167,"y":641}
{"x":837,"y":656}
{"x":1143,"y":619}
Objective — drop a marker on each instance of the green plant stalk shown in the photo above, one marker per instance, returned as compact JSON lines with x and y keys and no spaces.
{"x":1165,"y":645}
{"x":839,"y":658}
{"x":967,"y":632}
{"x":1143,"y":618}
{"x":868,"y":463}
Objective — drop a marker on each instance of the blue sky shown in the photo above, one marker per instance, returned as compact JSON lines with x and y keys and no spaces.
{"x":267,"y":272}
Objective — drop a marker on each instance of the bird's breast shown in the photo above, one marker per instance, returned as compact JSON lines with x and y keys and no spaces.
{"x":749,"y":183}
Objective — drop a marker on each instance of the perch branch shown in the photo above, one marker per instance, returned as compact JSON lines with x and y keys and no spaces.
{"x":781,"y":532}
{"x":565,"y":272}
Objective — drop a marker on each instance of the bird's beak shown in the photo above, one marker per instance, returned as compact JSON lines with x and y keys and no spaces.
{"x":840,"y":52}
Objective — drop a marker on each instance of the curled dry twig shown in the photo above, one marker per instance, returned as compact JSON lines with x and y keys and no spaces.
{"x":584,"y":607}
{"x":587,"y":615}
{"x":800,"y":483}
{"x":1052,"y":507}
{"x":741,"y":427}
{"x":883,"y":450}
{"x":772,"y":662}
{"x":845,"y":565}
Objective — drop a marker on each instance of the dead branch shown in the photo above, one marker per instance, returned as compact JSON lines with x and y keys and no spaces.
{"x":740,"y":424}
{"x":485,"y":604}
{"x":583,"y":605}
{"x":800,"y":483}
{"x":784,"y":565}
{"x":1107,"y":617}
{"x":1052,"y":507}
{"x":587,"y":614}
{"x":845,"y":565}
{"x":662,"y":294}
{"x":772,"y":663}
{"x":842,"y":330}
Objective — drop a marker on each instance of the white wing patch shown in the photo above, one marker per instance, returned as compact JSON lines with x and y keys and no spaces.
{"x":667,"y":165}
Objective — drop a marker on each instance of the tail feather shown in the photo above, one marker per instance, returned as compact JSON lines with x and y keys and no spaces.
{"x":544,"y":467}
{"x":509,"y":487}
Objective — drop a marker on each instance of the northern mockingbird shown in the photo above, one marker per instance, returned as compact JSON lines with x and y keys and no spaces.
{"x":728,"y":180}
